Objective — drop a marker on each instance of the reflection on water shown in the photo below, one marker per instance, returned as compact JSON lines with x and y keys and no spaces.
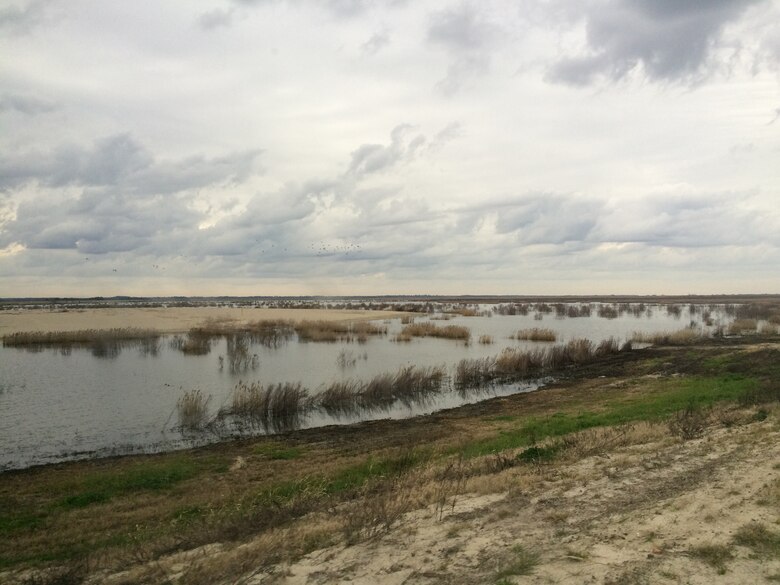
{"x":60,"y":402}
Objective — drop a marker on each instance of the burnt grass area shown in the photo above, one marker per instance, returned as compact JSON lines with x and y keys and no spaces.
{"x":109,"y":513}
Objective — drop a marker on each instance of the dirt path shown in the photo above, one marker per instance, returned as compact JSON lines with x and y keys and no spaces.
{"x":634,"y":515}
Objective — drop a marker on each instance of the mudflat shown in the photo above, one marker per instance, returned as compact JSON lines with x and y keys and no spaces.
{"x":167,"y":320}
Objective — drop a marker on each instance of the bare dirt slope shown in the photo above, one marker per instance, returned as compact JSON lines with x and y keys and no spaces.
{"x":660,"y":511}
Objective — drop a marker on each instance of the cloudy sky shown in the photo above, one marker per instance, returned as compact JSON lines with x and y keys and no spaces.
{"x":389,"y":146}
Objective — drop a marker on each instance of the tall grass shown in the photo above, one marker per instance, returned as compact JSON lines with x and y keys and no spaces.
{"x":192,"y":409}
{"x":739,"y":326}
{"x":680,"y":337}
{"x":536,"y":334}
{"x":83,"y":336}
{"x":432,"y":330}
{"x":516,"y":363}
{"x":333,"y":331}
{"x":276,"y":406}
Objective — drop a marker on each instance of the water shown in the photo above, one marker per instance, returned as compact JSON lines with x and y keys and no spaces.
{"x":57,"y":405}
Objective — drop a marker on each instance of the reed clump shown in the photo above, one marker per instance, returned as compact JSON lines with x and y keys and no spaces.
{"x":333,"y":331}
{"x":409,"y":385}
{"x":536,"y":334}
{"x":681,"y":337}
{"x":739,"y":326}
{"x":486,"y":339}
{"x":81,"y":337}
{"x":473,"y":373}
{"x":516,"y":363}
{"x":277,"y":406}
{"x":192,"y":409}
{"x":432,"y":330}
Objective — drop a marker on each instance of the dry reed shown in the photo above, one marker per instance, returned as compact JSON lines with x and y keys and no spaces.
{"x":536,"y":334}
{"x":432,"y":330}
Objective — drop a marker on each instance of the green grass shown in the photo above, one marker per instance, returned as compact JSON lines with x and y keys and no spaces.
{"x":349,"y":478}
{"x":102,"y":486}
{"x":277,"y":452}
{"x":656,"y":402}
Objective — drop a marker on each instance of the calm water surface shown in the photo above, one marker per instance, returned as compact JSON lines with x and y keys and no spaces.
{"x":58,"y":405}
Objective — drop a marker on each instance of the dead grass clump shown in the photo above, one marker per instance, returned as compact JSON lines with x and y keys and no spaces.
{"x":323,"y":331}
{"x":521,"y":562}
{"x":409,"y":385}
{"x":739,"y":326}
{"x":715,"y":555}
{"x":486,"y":339}
{"x":758,"y":537}
{"x":472,"y":373}
{"x":340,"y":398}
{"x":609,"y":346}
{"x":407,"y":319}
{"x":197,"y":342}
{"x":688,"y":423}
{"x":432,"y":330}
{"x":681,"y":337}
{"x":516,"y":362}
{"x":333,"y":331}
{"x":84,"y":336}
{"x":193,"y":409}
{"x":276,"y":406}
{"x":380,"y":505}
{"x":769,"y":329}
{"x":536,"y":334}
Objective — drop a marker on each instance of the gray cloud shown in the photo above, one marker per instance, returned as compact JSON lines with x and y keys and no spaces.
{"x":27,"y":105}
{"x":214,"y":19}
{"x":670,"y":40}
{"x":376,"y":43}
{"x":121,"y":161}
{"x":468,"y":38}
{"x":373,"y":158}
{"x":21,"y":19}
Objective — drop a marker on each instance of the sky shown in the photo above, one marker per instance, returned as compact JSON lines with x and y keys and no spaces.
{"x":339,"y":147}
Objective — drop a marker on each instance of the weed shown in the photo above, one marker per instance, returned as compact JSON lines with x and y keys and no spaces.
{"x":523,"y":562}
{"x":715,"y":555}
{"x":688,"y":423}
{"x":758,"y":537}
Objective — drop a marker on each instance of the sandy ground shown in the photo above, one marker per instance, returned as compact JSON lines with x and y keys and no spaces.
{"x":165,"y":320}
{"x":630,"y":516}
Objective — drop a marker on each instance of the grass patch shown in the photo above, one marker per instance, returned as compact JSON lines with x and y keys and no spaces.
{"x":759,"y":538}
{"x":653,"y":404}
{"x":277,"y":452}
{"x":103,"y":486}
{"x":523,"y":562}
{"x":715,"y":555}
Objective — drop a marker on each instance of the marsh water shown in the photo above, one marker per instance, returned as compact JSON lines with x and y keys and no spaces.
{"x":58,"y":404}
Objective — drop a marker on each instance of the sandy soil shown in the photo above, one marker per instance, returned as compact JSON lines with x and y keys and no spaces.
{"x":630,"y":516}
{"x":165,"y":320}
